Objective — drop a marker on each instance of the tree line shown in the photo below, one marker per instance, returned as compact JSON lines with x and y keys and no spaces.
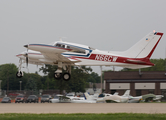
{"x":34,"y":81}
{"x":78,"y":82}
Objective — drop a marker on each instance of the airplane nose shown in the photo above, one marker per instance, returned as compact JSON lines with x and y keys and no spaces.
{"x":26,"y":46}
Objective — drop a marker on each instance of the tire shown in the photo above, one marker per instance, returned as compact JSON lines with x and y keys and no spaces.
{"x":66,"y":76}
{"x":19,"y":74}
{"x":57,"y":76}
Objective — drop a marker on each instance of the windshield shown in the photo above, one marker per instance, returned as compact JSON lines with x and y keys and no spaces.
{"x":71,"y":47}
{"x":31,"y":97}
{"x":56,"y":97}
{"x":45,"y":96}
{"x":5,"y":98}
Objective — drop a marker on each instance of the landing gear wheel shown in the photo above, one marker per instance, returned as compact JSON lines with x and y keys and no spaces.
{"x":66,"y":76}
{"x":57,"y":76}
{"x":19,"y":74}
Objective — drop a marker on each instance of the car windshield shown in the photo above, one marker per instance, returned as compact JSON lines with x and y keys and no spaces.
{"x":45,"y":96}
{"x":56,"y":97}
{"x":31,"y":97}
{"x":6,"y":98}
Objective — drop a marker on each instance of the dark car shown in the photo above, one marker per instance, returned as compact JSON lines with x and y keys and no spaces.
{"x":20,"y":98}
{"x":6,"y":100}
{"x":45,"y":98}
{"x":32,"y":98}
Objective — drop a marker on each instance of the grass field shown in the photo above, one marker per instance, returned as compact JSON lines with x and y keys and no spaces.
{"x":81,"y":116}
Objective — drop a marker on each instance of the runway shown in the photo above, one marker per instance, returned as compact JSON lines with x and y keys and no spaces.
{"x":83,"y":108}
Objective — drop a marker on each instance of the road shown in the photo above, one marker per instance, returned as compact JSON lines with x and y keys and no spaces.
{"x":83,"y":108}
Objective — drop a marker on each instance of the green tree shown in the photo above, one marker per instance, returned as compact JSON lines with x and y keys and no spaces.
{"x":77,"y":82}
{"x":8,"y":77}
{"x":31,"y":84}
{"x":93,"y":77}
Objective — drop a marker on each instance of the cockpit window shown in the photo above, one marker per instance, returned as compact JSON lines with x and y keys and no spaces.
{"x":73,"y":48}
{"x":77,"y":50}
{"x":60,"y":45}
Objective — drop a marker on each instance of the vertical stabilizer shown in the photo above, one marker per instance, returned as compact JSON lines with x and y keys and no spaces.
{"x":127,"y":93}
{"x":145,"y":47}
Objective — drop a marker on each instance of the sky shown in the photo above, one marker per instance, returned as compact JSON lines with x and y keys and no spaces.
{"x":113,"y":25}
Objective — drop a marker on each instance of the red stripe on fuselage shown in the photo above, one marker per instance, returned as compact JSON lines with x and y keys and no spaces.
{"x":110,"y":58}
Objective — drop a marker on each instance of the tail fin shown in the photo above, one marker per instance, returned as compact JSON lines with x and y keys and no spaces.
{"x":87,"y":96}
{"x":127,"y":93}
{"x":145,"y":47}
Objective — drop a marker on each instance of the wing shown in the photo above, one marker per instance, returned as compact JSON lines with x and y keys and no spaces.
{"x":52,"y":54}
{"x":58,"y":57}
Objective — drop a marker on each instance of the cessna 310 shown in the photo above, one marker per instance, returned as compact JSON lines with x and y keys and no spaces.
{"x":65,"y":54}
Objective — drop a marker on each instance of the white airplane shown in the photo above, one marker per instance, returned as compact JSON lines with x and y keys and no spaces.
{"x":65,"y":99}
{"x":158,"y":98}
{"x":131,"y":98}
{"x":115,"y":98}
{"x":65,"y":54}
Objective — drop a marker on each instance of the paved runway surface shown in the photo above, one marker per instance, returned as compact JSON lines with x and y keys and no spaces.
{"x":83,"y":108}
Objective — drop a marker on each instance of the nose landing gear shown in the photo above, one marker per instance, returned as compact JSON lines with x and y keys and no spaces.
{"x":19,"y":74}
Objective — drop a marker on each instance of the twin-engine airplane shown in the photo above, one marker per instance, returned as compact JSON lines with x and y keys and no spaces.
{"x":65,"y":54}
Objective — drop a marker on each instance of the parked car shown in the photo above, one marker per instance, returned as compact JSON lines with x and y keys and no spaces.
{"x":46,"y":98}
{"x":6,"y":100}
{"x":32,"y":98}
{"x":20,"y":98}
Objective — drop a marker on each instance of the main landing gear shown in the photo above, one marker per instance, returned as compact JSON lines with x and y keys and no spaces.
{"x":65,"y":76}
{"x":58,"y":73}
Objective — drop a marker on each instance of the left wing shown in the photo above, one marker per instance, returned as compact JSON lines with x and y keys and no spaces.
{"x":52,"y":54}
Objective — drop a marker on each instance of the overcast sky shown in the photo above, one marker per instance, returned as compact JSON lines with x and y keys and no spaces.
{"x":102,"y":24}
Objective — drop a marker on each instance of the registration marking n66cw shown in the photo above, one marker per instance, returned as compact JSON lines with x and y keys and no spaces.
{"x":107,"y":58}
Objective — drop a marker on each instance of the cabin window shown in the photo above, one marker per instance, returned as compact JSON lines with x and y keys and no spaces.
{"x":77,"y":50}
{"x":73,"y":49}
{"x":60,"y":45}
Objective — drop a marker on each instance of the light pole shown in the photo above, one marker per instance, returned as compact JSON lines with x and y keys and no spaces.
{"x":101,"y":80}
{"x":20,"y":85}
{"x":0,"y":86}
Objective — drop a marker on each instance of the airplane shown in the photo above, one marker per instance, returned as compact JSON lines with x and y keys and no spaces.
{"x":65,"y":99}
{"x":66,"y":54}
{"x":158,"y":98}
{"x":131,"y":98}
{"x":115,"y":98}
